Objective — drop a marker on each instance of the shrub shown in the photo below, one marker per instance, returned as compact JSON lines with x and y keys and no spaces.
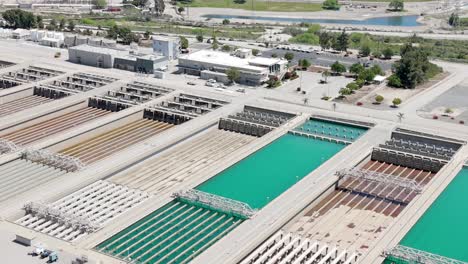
{"x":289,"y":56}
{"x":226,"y":48}
{"x":379,"y":99}
{"x":331,"y":5}
{"x":387,"y":53}
{"x":360,"y":82}
{"x":396,"y":101}
{"x":365,"y":50}
{"x":345,"y":91}
{"x":394,"y":81}
{"x":377,"y":54}
{"x":352,"y":86}
{"x":338,"y":67}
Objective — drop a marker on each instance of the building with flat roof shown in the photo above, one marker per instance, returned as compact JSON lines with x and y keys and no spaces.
{"x":166,"y":46}
{"x":210,"y":64}
{"x":116,"y":58}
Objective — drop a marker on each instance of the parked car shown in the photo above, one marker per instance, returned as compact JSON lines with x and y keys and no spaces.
{"x":191,"y":83}
{"x":46,"y":253}
{"x":37,"y":251}
{"x":240,"y":90}
{"x":210,"y":84}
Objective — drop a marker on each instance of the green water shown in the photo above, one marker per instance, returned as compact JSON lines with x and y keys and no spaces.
{"x":332,"y":129}
{"x":176,"y":232}
{"x":443,"y":229}
{"x":264,"y":175}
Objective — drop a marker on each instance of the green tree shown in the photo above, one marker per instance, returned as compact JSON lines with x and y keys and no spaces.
{"x":325,"y":75}
{"x":233,"y":74}
{"x":454,"y":20}
{"x":325,"y":40}
{"x":396,"y":5}
{"x":396,"y":101}
{"x":71,"y":25}
{"x":331,"y":5}
{"x":365,"y":50}
{"x":337,"y":67}
{"x":255,"y":52}
{"x":126,"y":35}
{"x":304,"y":63}
{"x":289,"y":56}
{"x":314,"y":29}
{"x":62,"y":23}
{"x":39,"y":22}
{"x":100,"y":4}
{"x":226,"y":48}
{"x":387,"y":53}
{"x":181,"y":9}
{"x":376,"y":70}
{"x":147,"y":34}
{"x":394,"y":81}
{"x":226,"y":21}
{"x":140,"y":3}
{"x":379,"y":99}
{"x":184,"y":43}
{"x":52,"y":24}
{"x":159,"y":7}
{"x":199,"y":38}
{"x":342,"y":41}
{"x":215,"y":45}
{"x":367,"y":75}
{"x":18,"y":18}
{"x":352,"y":86}
{"x":356,"y":68}
{"x":414,"y":67}
{"x":345,"y":91}
{"x":377,"y":54}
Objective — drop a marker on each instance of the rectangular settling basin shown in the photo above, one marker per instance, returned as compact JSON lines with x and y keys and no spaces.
{"x":265,"y":174}
{"x":179,"y":231}
{"x":442,"y":230}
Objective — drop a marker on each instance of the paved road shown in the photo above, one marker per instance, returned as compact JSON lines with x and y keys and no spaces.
{"x":326,"y":59}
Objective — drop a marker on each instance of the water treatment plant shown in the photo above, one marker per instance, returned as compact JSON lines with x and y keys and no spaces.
{"x":111,"y":166}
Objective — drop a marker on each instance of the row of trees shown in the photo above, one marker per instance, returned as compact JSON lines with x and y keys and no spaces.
{"x":336,"y":41}
{"x":17,"y":18}
{"x":362,"y":76}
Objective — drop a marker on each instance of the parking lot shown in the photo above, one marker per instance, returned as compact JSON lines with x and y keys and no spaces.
{"x":326,"y":59}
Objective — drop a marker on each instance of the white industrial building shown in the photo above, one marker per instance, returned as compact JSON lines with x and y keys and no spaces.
{"x":253,"y":70}
{"x":20,"y":33}
{"x":166,"y":46}
{"x":47,"y":38}
{"x":116,"y":58}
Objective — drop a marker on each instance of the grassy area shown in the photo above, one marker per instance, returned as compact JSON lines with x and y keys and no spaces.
{"x":444,"y":49}
{"x":240,"y":33}
{"x":256,"y":5}
{"x":243,"y":32}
